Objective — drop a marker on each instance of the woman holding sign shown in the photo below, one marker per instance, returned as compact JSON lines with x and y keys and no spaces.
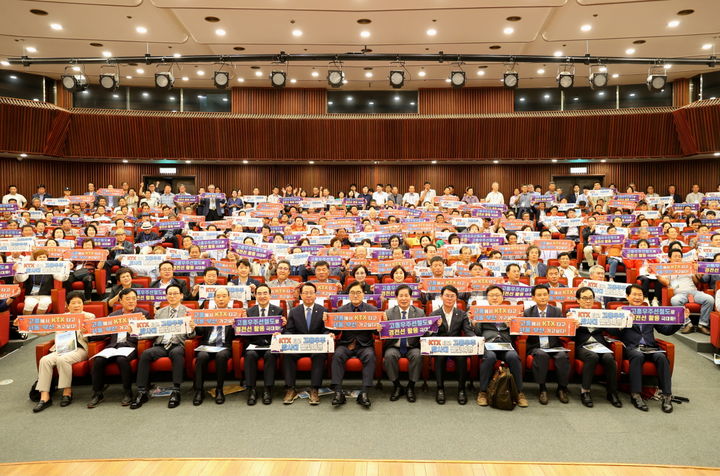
{"x":84,"y":271}
{"x":70,"y":347}
{"x":38,"y":286}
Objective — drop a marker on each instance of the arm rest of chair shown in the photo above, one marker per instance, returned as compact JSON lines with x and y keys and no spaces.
{"x":667,"y":294}
{"x":143,"y":345}
{"x":378,"y":358}
{"x":632,"y":275}
{"x":521,"y":345}
{"x":669,"y":349}
{"x":617,"y":348}
{"x":58,"y":299}
{"x":100,"y":281}
{"x":237,"y":349}
{"x":96,"y":346}
{"x":41,"y":350}
{"x":190,"y":346}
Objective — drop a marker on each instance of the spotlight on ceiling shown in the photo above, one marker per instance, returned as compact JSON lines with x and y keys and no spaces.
{"x":74,"y":82}
{"x":164,"y":80}
{"x":598,"y":79}
{"x":565,"y":79}
{"x":397,"y":79}
{"x":511,"y":79}
{"x":657,"y":79}
{"x":221,"y":79}
{"x":335,"y":78}
{"x":457,"y":79}
{"x":277,"y":79}
{"x":110,"y":81}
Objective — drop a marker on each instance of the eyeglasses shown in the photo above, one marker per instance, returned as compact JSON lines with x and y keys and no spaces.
{"x":355,"y":293}
{"x":586,"y":298}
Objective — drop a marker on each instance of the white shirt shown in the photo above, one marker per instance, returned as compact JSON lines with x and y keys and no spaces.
{"x":495,"y":197}
{"x":694,"y":197}
{"x":21,"y":200}
{"x":411,"y":198}
{"x":380,"y":197}
{"x":448,"y":317}
{"x":429,"y":196}
{"x":273,"y":198}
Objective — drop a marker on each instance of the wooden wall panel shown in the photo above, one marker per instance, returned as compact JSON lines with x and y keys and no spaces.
{"x":466,"y":101}
{"x":58,"y":174}
{"x":703,"y":124}
{"x":681,"y":92}
{"x":63,"y":97}
{"x":278,"y":101}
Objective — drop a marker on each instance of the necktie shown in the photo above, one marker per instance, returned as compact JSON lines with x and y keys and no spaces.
{"x":262,"y":312}
{"x":403,"y":341}
{"x":219,"y":336}
{"x":167,"y":339}
{"x":544,"y":341}
{"x":308,"y":317}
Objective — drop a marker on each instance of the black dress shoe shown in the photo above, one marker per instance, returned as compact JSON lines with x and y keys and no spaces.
{"x":41,"y":405}
{"x":95,"y":400}
{"x":339,"y":398}
{"x":174,"y":399}
{"x":65,"y":400}
{"x":638,"y":402}
{"x":219,"y":396}
{"x":461,"y":397}
{"x":410,"y":394}
{"x":252,"y":396}
{"x":198,"y":397}
{"x":267,"y":396}
{"x":140,"y":398}
{"x":562,"y":395}
{"x":363,"y":399}
{"x":440,"y":396}
{"x":614,"y":399}
{"x":397,"y":392}
{"x":586,"y":399}
{"x":666,"y":404}
{"x":127,"y":398}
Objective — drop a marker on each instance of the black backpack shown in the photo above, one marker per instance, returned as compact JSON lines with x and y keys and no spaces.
{"x":502,"y":391}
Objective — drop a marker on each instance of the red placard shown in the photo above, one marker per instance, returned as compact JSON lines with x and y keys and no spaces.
{"x":353,"y":321}
{"x":542,"y":326}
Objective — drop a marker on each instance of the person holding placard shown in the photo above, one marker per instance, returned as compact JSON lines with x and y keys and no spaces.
{"x":124,"y":277}
{"x":359,"y":344}
{"x":258,"y":346}
{"x":122,"y":340}
{"x":306,"y":318}
{"x":451,"y":322}
{"x":167,"y":278}
{"x":394,"y":349}
{"x":593,"y":349}
{"x":684,"y":286}
{"x":38,"y":287}
{"x":167,"y":345}
{"x":243,"y":275}
{"x":640,"y":347}
{"x":539,"y":347}
{"x":70,"y":347}
{"x":84,"y":271}
{"x":497,"y":333}
{"x":218,"y":341}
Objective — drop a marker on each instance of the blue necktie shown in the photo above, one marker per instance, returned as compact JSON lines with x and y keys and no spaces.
{"x":403,"y":340}
{"x":308,"y":317}
{"x":219,"y":336}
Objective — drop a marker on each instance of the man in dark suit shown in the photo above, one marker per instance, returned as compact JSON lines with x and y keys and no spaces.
{"x":218,"y":336}
{"x":358,"y":344}
{"x":167,"y":345}
{"x":497,"y":332}
{"x":243,"y":275}
{"x":306,"y":318}
{"x":128,"y":300}
{"x":394,"y":349}
{"x":537,"y":344}
{"x":262,"y":308}
{"x":640,"y":347}
{"x":167,"y":278}
{"x":451,"y":322}
{"x":593,"y":336}
{"x":213,"y":208}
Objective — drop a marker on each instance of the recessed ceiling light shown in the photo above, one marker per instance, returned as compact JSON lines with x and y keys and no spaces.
{"x":349,"y":98}
{"x":314,"y":74}
{"x":107,"y":54}
{"x":481,"y":72}
{"x":311,"y":162}
{"x":125,"y":161}
{"x":632,"y":95}
{"x":241,"y":80}
{"x":76,"y":68}
{"x":297,"y":33}
{"x":707,"y":46}
{"x":245,"y":161}
{"x":541,"y":71}
{"x":673,"y":23}
{"x":558,"y":53}
{"x":330,"y":103}
{"x":31,"y":49}
{"x":344,"y":81}
{"x":431,"y":32}
{"x":447,"y":80}
{"x":615,"y":76}
{"x":145,"y":94}
{"x":547,"y":96}
{"x":601,"y":93}
{"x":509,"y":30}
{"x":141,"y":29}
{"x":396,"y":98}
{"x":603,"y":161}
{"x":177,"y":55}
{"x":586,"y":27}
{"x":433,"y":162}
{"x":412,"y":103}
{"x":200,"y":72}
{"x":128,"y":77}
{"x":5,"y":63}
{"x":212,"y":19}
{"x":496,"y":161}
{"x":56,"y":26}
{"x":188,"y":161}
{"x":602,"y":69}
{"x":365,"y":34}
{"x":667,"y":66}
{"x":368,"y":74}
{"x":185,"y":78}
{"x":220,"y":32}
{"x":293,"y":80}
{"x":258,"y":73}
{"x":717,"y":154}
{"x":522,"y":99}
{"x":372,"y":103}
{"x":630,"y":51}
{"x":576,"y":99}
{"x":554,"y":160}
{"x":140,"y":71}
{"x":23,"y":155}
{"x":172,"y":98}
{"x":421,"y":74}
{"x":12,"y":76}
{"x":116,"y":96}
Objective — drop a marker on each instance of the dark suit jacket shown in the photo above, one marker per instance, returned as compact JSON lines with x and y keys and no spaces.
{"x":178,"y":282}
{"x":296,"y":323}
{"x":363,"y":338}
{"x":130,"y":341}
{"x":115,"y":290}
{"x":262,"y":340}
{"x":630,"y":336}
{"x":583,"y":334}
{"x":394,"y":314}
{"x":533,"y":341}
{"x":204,"y":205}
{"x":460,"y":324}
{"x":205,"y":332}
{"x":492,"y":333}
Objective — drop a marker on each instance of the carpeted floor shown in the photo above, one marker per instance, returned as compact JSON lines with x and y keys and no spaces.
{"x":423,"y":430}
